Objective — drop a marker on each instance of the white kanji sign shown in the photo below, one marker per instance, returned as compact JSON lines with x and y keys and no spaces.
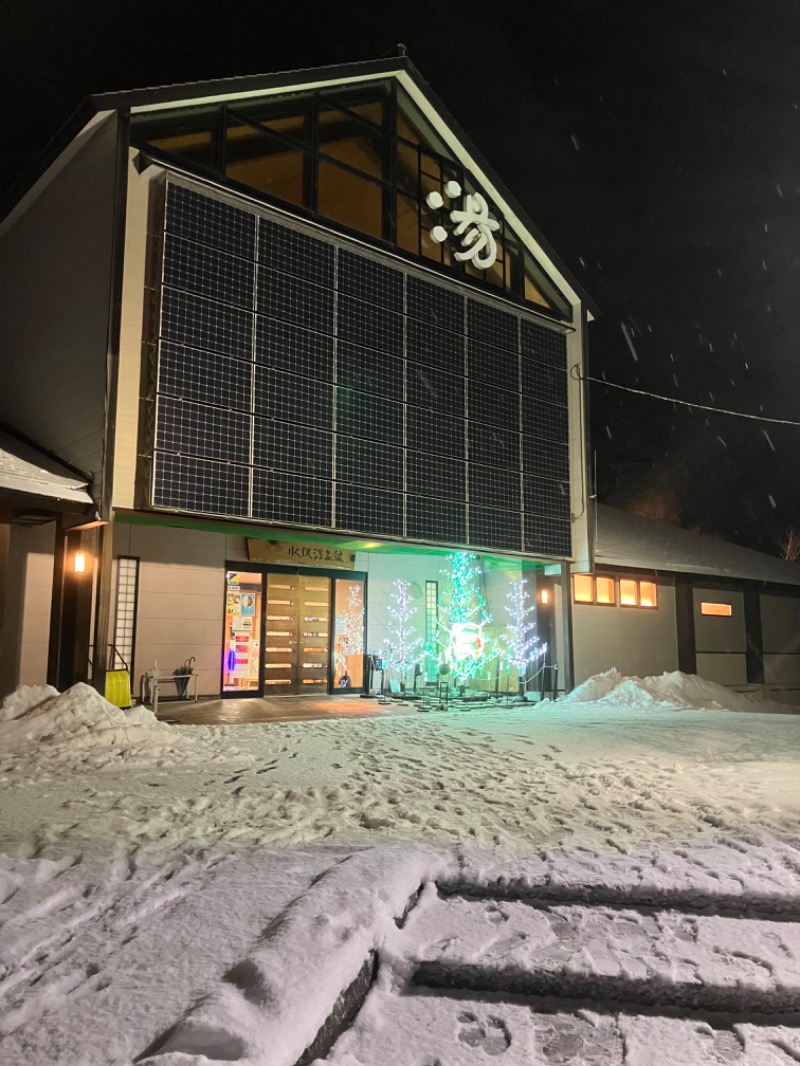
{"x":472,"y":225}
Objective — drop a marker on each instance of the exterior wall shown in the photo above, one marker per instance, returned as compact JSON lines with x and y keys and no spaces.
{"x":134,"y":294}
{"x":721,"y":643}
{"x":55,"y":259}
{"x":382,"y":571}
{"x":638,"y":641}
{"x":780,"y":630}
{"x":26,"y":627}
{"x":181,"y":605}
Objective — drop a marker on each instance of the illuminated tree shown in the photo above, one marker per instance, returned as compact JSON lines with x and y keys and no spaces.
{"x":351,"y":641}
{"x":404,"y":646}
{"x":520,"y":645}
{"x":462,"y":618}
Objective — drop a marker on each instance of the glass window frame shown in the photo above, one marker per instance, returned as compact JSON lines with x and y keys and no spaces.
{"x":518,"y":262}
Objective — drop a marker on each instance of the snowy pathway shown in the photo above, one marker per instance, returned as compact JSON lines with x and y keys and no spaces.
{"x":190,"y":895}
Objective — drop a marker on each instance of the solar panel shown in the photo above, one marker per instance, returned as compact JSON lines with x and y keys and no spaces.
{"x":186,"y":483}
{"x":291,"y":398}
{"x":435,"y":304}
{"x":544,"y":382}
{"x":543,"y":344}
{"x":288,"y":498}
{"x":360,"y":415}
{"x":292,"y":448}
{"x":491,"y":326}
{"x":371,"y":326}
{"x":436,"y":475}
{"x":548,"y":535}
{"x":494,"y":366}
{"x":435,"y":388}
{"x":301,"y":381}
{"x":546,"y":458}
{"x":377,"y":284}
{"x":546,"y":496}
{"x":436,"y":520}
{"x":208,"y":221}
{"x":492,"y":486}
{"x":495,"y":406}
{"x":289,"y":347}
{"x":490,"y":528}
{"x":369,"y":511}
{"x":498,"y":448}
{"x":200,"y":323}
{"x":208,"y":272}
{"x":369,"y":371}
{"x":289,"y":251}
{"x":192,"y":374}
{"x":360,"y":462}
{"x":544,"y":420}
{"x":294,"y":300}
{"x":428,"y":430}
{"x":435,"y":347}
{"x":196,"y":429}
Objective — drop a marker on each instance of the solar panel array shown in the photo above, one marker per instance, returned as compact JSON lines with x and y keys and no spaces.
{"x":305,"y":383}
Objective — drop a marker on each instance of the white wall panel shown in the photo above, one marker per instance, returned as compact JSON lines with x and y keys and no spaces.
{"x":56,"y":264}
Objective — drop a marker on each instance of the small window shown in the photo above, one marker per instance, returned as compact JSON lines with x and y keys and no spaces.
{"x":719,"y":610}
{"x":590,"y":589}
{"x":605,"y":590}
{"x":628,"y":592}
{"x":583,"y":588}
{"x":647,"y":594}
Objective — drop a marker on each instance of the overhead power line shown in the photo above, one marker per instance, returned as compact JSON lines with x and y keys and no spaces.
{"x":687,"y":403}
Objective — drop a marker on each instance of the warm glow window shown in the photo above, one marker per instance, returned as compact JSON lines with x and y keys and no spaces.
{"x":602,"y":591}
{"x":590,"y":589}
{"x":360,"y":156}
{"x":717,"y":610}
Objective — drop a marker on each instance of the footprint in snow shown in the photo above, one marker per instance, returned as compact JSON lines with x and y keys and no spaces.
{"x":491,"y":1036}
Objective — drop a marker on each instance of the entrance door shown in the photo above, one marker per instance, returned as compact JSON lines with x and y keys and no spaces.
{"x":297,"y":637}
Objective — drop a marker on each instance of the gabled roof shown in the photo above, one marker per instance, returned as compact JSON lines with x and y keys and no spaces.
{"x":628,"y":540}
{"x":31,"y":476}
{"x":400,"y":67}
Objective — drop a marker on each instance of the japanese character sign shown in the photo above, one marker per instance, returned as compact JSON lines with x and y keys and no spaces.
{"x":473,"y":226}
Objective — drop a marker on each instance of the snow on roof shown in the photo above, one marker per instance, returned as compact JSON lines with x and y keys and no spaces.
{"x":27,"y":470}
{"x":624,"y":539}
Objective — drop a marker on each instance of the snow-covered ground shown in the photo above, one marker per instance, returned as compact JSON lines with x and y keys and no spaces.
{"x":612,"y":878}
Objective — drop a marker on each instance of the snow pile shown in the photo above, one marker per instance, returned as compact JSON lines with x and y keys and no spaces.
{"x":673,"y":690}
{"x":80,"y":723}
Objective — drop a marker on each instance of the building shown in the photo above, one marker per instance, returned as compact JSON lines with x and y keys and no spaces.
{"x":303,"y":342}
{"x":662,"y":598}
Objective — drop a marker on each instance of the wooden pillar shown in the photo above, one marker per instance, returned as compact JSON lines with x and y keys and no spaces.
{"x":76,"y":611}
{"x":753,"y":633}
{"x":567,"y":666}
{"x":56,"y":604}
{"x":684,"y":624}
{"x":5,"y":551}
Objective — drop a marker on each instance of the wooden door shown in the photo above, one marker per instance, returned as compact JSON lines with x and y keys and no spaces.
{"x":297,"y":644}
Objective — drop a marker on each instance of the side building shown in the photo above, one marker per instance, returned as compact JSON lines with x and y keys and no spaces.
{"x":662,"y":598}
{"x":304,"y":343}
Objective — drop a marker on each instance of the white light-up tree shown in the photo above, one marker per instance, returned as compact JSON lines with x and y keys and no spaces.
{"x":404,"y":645}
{"x":520,"y":646}
{"x":462,"y":619}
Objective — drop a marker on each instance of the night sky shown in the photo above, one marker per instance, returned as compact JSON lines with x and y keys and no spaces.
{"x":656,"y":146}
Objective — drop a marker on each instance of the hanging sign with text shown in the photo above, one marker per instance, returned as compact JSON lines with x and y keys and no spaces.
{"x":289,"y":553}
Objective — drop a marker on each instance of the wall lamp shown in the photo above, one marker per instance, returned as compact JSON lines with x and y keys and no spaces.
{"x":79,"y":562}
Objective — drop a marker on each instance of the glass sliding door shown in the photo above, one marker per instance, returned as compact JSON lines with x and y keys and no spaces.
{"x":348,"y":641}
{"x":241,"y":666}
{"x":297,"y":635}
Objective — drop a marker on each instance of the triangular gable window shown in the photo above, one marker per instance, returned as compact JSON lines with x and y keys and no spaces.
{"x":363,"y":157}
